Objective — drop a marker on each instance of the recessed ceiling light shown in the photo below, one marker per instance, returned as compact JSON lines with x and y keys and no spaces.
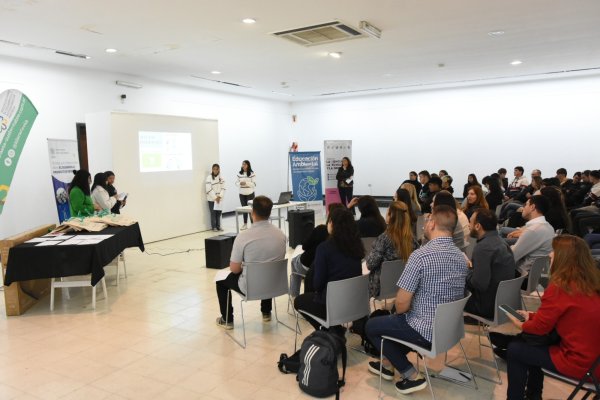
{"x":496,"y":33}
{"x":110,"y":50}
{"x":249,"y":21}
{"x":335,"y":54}
{"x":215,"y":72}
{"x":516,"y":62}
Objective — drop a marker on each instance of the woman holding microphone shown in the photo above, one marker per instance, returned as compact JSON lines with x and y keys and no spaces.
{"x":246,"y":181}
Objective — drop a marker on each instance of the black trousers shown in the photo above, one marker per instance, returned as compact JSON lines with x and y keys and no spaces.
{"x":345,"y":194}
{"x":224,"y":288}
{"x":306,"y":302}
{"x":215,"y":216}
{"x":244,"y":200}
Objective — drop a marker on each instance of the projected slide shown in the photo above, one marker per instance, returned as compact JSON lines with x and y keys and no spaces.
{"x":165,"y":151}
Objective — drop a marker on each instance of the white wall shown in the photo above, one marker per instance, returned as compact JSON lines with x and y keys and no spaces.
{"x":249,"y":128}
{"x":545,"y":125}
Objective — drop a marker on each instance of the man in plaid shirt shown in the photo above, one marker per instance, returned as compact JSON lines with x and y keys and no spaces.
{"x":434,"y":274}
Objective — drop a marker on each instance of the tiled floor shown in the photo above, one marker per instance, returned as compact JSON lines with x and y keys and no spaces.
{"x":156,"y":338}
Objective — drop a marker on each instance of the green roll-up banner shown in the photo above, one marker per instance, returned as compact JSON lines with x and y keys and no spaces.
{"x":17,"y":115}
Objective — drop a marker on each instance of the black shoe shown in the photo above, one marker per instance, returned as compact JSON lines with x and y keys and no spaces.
{"x":387,"y":374}
{"x":406,"y":386}
{"x":533,"y":396}
{"x":501,"y":353}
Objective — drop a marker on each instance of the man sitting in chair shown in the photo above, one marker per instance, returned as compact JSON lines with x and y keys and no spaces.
{"x":492,"y":263}
{"x":263,"y":242}
{"x":434,"y":274}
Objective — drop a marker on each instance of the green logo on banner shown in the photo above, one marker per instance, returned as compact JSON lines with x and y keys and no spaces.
{"x":17,"y":115}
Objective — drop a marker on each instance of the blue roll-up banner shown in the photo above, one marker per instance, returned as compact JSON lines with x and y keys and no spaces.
{"x":64,"y":158}
{"x":306,"y":175}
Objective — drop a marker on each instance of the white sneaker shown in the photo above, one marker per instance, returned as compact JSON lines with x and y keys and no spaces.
{"x":245,"y":226}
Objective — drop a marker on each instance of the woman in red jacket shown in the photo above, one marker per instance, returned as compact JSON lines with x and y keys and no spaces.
{"x":571,"y":305}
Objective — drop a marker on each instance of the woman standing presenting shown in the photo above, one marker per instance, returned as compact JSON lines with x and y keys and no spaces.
{"x":246,"y":181}
{"x":215,"y":190}
{"x":345,"y":178}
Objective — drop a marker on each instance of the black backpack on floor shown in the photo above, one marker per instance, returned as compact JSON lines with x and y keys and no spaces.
{"x":318,"y":375}
{"x":289,"y":364}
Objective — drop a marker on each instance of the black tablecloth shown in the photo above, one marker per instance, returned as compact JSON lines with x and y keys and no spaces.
{"x":28,"y":261}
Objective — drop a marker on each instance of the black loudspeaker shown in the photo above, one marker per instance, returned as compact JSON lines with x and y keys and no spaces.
{"x":218,"y":251}
{"x":301,"y":223}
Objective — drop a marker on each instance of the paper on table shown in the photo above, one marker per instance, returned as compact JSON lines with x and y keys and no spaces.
{"x":38,"y":239}
{"x":57,"y":237}
{"x":222,"y":274}
{"x":48,"y":243}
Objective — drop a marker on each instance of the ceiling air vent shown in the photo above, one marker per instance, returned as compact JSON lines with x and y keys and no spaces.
{"x":328,"y":32}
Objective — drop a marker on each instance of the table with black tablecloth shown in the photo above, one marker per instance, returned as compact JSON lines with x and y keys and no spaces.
{"x":28,"y":261}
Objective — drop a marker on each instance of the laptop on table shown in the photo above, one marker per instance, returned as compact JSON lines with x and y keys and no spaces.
{"x":284,"y":198}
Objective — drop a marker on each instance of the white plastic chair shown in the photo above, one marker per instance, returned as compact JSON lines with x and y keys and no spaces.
{"x":264,"y":281}
{"x":509,"y":293}
{"x":534,"y":276}
{"x":448,"y":330}
{"x":347,"y":300}
{"x":81,"y":281}
{"x":115,"y":263}
{"x":390,"y":274}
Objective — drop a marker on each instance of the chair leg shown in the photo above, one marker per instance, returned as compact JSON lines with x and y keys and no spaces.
{"x":124,"y":265}
{"x":296,"y":334}
{"x":487,"y":334}
{"x":427,"y":377}
{"x":468,"y":365}
{"x":104,"y":290}
{"x":231,"y":334}
{"x":93,"y":297}
{"x":52,"y":294}
{"x":277,"y":317}
{"x":118,"y":274}
{"x":380,"y":368}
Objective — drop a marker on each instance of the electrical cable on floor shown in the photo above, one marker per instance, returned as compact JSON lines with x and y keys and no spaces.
{"x":152,"y":253}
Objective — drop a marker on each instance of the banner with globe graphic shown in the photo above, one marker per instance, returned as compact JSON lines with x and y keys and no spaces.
{"x":306,"y":175}
{"x":17,"y":115}
{"x":64,"y":158}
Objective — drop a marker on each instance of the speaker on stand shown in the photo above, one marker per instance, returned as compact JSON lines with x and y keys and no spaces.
{"x":300,"y":224}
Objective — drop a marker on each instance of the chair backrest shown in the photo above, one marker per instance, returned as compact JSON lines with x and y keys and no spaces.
{"x":266,"y":280}
{"x":535,"y":273}
{"x":368,"y":244}
{"x":347,"y":300}
{"x":499,"y":209}
{"x":509,"y":293}
{"x":420,"y":225}
{"x":390,"y":274}
{"x":448,"y":325}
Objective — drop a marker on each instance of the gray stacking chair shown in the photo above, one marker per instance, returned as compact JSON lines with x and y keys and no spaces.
{"x":448,"y":330}
{"x":470,"y":247}
{"x":266,"y":280}
{"x":347,"y":300}
{"x":390,"y":274}
{"x":535,"y":273}
{"x":509,"y":293}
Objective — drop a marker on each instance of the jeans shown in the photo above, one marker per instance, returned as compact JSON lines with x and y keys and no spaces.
{"x":524,"y":369}
{"x":215,"y":216}
{"x":298,"y":272}
{"x":396,"y":327}
{"x":509,"y":209}
{"x":224,"y":288}
{"x":244,"y":201}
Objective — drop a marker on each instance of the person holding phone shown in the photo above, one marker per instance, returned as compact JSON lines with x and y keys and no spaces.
{"x":110,"y":180}
{"x":246,"y":181}
{"x":570,"y":307}
{"x":345,"y":179}
{"x":215,"y":190}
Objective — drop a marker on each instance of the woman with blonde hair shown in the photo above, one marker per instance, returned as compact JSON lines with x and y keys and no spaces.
{"x":475,"y":199}
{"x":569,"y":311}
{"x":414,"y":199}
{"x":397,"y":242}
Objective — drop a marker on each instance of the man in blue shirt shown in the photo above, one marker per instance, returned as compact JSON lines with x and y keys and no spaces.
{"x":434,"y":274}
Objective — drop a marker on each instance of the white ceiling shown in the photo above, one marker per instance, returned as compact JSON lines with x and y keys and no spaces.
{"x":173,"y":40}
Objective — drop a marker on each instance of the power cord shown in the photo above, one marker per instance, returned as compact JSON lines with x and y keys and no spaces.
{"x":155,"y":253}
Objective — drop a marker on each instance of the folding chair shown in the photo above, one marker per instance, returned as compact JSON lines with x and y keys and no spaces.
{"x":588,"y":383}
